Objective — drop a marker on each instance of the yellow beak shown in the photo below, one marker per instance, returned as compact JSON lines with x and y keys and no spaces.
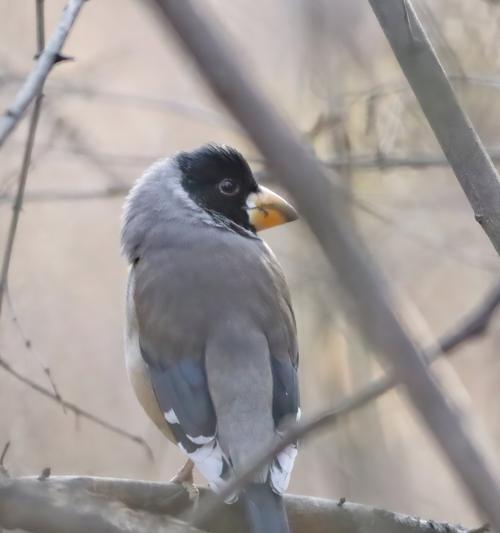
{"x":267,"y":209}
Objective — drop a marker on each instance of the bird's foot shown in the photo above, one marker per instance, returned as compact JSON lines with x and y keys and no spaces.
{"x":192,"y":490}
{"x":185,"y":478}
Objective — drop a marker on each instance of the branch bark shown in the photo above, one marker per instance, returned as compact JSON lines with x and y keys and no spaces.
{"x":307,"y":182}
{"x":48,"y":506}
{"x":33,"y":84}
{"x":81,"y":504}
{"x":453,"y":129}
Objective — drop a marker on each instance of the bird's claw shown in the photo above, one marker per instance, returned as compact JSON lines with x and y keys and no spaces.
{"x":192,"y":490}
{"x":185,"y":478}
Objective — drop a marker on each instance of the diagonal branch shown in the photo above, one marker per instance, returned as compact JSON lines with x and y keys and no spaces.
{"x":78,"y":411}
{"x":33,"y":84}
{"x":453,"y":129}
{"x":473,"y":325}
{"x":324,"y":210}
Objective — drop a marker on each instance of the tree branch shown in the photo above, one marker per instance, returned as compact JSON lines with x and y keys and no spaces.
{"x":323,"y":208}
{"x":23,"y":176}
{"x":453,"y":129}
{"x":476,"y":323}
{"x":58,"y":501}
{"x":33,"y":84}
{"x":57,"y":507}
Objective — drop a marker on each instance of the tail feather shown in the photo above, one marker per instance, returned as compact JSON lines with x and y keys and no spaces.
{"x":264,"y":509}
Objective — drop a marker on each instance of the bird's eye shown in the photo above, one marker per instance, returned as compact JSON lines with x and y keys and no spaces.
{"x":229,"y":187}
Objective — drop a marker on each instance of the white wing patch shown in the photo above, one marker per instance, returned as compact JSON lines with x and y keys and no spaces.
{"x":171,"y":417}
{"x":281,"y":469}
{"x":208,"y":457}
{"x":282,"y":465}
{"x":213,"y":464}
{"x":201,"y":439}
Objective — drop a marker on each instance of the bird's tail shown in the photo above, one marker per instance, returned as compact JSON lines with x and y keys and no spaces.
{"x":264,"y":509}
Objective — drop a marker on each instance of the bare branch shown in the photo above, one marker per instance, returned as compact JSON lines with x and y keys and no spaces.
{"x":74,"y":408}
{"x":89,"y":92}
{"x":4,"y":453}
{"x":476,"y":323}
{"x":23,"y":176}
{"x":62,"y":195}
{"x":28,"y":344}
{"x":309,"y":185}
{"x":453,"y":129}
{"x":33,"y":84}
{"x":109,"y":499}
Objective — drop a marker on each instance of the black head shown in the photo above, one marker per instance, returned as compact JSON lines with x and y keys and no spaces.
{"x":219,"y":180}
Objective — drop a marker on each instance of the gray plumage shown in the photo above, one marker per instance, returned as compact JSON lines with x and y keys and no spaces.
{"x":210,"y":329}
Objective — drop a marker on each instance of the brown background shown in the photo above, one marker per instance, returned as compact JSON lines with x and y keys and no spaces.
{"x":130,"y":97}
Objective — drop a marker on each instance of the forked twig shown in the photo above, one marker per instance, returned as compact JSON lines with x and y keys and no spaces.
{"x":33,"y":84}
{"x":75,"y":409}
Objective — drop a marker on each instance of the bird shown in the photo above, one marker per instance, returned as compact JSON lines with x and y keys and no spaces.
{"x":211,"y":343}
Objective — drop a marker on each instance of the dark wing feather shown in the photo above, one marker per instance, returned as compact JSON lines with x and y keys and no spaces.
{"x":286,"y":389}
{"x":282,"y":339}
{"x":181,"y":390}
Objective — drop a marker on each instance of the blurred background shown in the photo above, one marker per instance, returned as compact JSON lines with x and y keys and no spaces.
{"x":131,"y":97}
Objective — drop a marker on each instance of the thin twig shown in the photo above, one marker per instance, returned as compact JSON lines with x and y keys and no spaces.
{"x":28,"y":344}
{"x":67,"y":195}
{"x":359,"y":162}
{"x":324,"y":210}
{"x":89,"y":93}
{"x":16,"y":208}
{"x":23,"y":176}
{"x":33,"y":84}
{"x":473,"y":325}
{"x":4,"y":453}
{"x":385,"y":161}
{"x":74,"y":408}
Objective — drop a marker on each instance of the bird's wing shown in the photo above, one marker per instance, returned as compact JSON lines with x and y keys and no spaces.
{"x":283,"y":348}
{"x":181,"y":390}
{"x":282,"y":338}
{"x":172,"y":348}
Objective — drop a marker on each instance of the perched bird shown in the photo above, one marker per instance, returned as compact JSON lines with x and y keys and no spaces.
{"x":211,"y":344}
